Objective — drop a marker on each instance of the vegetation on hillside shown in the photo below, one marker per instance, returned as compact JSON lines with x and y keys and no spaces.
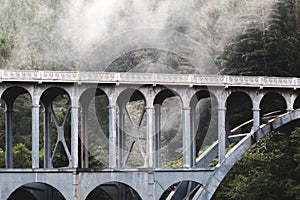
{"x":270,"y":170}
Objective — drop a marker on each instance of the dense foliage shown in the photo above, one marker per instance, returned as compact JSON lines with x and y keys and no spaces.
{"x":269,"y":171}
{"x":271,"y":50}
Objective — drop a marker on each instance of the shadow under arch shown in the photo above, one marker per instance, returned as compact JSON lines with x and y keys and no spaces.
{"x":181,"y":190}
{"x":149,"y":38}
{"x":36,"y":191}
{"x":296,"y":104}
{"x":113,"y":191}
{"x":94,"y":105}
{"x":239,"y":111}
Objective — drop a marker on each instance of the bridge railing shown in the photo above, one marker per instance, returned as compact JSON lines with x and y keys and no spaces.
{"x":148,"y":78}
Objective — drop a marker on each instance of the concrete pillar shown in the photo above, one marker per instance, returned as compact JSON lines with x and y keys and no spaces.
{"x":157,"y":135}
{"x":121,"y":136}
{"x":221,"y":132}
{"x":193,"y":135}
{"x":290,"y":100}
{"x":9,"y":136}
{"x":150,"y":137}
{"x":256,"y":116}
{"x":187,"y":137}
{"x":47,"y":138}
{"x":112,"y":136}
{"x":84,"y":137}
{"x":74,"y":132}
{"x":35,"y":133}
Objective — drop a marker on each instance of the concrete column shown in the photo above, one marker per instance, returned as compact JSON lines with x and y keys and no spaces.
{"x":121,"y":137}
{"x":112,"y":136}
{"x":193,"y":135}
{"x":221,"y":133}
{"x":290,"y":100}
{"x":35,"y":134}
{"x":157,"y":135}
{"x":256,"y":116}
{"x":150,"y":137}
{"x":9,"y":136}
{"x":84,"y":137}
{"x":187,"y":137}
{"x":47,"y":138}
{"x":74,"y":132}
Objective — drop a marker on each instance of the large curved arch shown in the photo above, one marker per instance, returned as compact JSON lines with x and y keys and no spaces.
{"x":149,"y":38}
{"x":239,"y":149}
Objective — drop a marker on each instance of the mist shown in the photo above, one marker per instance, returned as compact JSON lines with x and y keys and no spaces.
{"x":65,"y":33}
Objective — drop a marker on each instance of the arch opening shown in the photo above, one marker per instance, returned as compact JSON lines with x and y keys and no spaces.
{"x":131,"y":116}
{"x":113,"y":191}
{"x":297,"y":103}
{"x":203,"y":124}
{"x":94,"y":149}
{"x":56,"y":105}
{"x":272,"y":105}
{"x":239,"y":117}
{"x":168,"y":129}
{"x":18,"y":142}
{"x":36,"y":191}
{"x":181,"y":190}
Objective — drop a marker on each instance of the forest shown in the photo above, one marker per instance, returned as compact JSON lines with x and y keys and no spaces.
{"x":269,"y":46}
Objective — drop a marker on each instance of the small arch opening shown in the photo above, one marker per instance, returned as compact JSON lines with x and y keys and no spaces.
{"x":131,"y":115}
{"x":56,"y":105}
{"x":18,"y":119}
{"x":94,"y":145}
{"x":112,"y":191}
{"x":168,"y":129}
{"x":36,"y":191}
{"x":272,"y":105}
{"x":204,"y":124}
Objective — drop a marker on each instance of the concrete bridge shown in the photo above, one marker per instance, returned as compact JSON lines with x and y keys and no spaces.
{"x":196,"y":178}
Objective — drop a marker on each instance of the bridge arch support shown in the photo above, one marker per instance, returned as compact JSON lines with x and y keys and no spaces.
{"x":207,"y":191}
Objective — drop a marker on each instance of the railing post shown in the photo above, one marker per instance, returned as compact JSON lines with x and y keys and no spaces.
{"x":35,"y":131}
